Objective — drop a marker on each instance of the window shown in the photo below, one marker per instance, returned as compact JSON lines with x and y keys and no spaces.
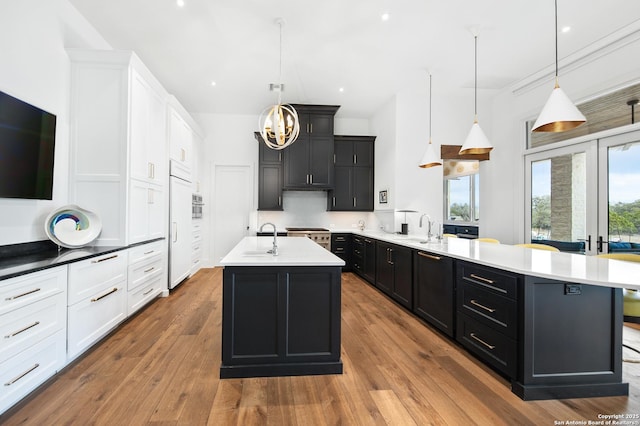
{"x":462,"y":196}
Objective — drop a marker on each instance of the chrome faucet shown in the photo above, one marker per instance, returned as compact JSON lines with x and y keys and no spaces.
{"x":274,"y":250}
{"x":429,"y":234}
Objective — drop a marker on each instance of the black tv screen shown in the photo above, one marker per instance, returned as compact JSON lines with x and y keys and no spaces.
{"x":27,"y":146}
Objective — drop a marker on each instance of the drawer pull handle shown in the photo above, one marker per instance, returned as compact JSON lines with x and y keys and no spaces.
{"x":22,"y":295}
{"x":12,"y":381}
{"x":147,"y":292}
{"x":473,"y":335}
{"x":148,"y":252}
{"x":105,"y":295}
{"x":340,"y":238}
{"x":22,"y":330}
{"x":430,"y":256}
{"x":486,"y":280}
{"x":479,"y":305}
{"x":149,"y":270}
{"x":106,"y":258}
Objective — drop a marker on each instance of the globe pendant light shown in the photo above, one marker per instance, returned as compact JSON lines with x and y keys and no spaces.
{"x":476,"y":141}
{"x":559,"y":114}
{"x":279,"y":124}
{"x":430,"y":158}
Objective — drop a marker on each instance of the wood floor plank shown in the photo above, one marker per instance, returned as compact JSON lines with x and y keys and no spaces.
{"x":161,"y":367}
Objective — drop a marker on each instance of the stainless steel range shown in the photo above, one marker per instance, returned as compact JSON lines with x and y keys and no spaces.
{"x":321,"y":236}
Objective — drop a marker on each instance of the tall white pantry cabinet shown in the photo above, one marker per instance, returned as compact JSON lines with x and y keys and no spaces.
{"x":119,"y":156}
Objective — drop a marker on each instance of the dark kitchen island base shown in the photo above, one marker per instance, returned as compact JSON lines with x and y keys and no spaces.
{"x":280,"y":321}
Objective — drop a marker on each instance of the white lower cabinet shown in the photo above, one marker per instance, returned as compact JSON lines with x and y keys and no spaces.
{"x":33,"y":319}
{"x":147,"y":276}
{"x":97,"y":300}
{"x":196,"y":246}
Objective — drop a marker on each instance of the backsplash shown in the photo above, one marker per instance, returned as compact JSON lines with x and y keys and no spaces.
{"x":309,"y":208}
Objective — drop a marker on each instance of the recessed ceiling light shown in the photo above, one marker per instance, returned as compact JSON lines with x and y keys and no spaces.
{"x":341,"y":89}
{"x":180,"y":3}
{"x":566,"y":29}
{"x":385,"y":16}
{"x":213,"y":83}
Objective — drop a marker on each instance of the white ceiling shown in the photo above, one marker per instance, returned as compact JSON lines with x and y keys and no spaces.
{"x":331,"y":44}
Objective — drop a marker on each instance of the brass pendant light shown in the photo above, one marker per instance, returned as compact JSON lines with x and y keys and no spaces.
{"x":430,"y":158}
{"x":279,"y":124}
{"x":559,"y":114}
{"x":476,"y":141}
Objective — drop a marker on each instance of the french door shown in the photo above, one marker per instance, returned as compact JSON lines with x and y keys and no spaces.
{"x":585,"y":197}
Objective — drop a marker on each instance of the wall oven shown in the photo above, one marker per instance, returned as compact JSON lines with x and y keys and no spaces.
{"x":196,"y":206}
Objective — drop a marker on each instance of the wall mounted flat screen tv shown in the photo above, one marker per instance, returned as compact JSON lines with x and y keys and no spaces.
{"x":27,"y":146}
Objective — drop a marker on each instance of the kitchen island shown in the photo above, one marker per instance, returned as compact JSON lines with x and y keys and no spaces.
{"x":280,"y":313}
{"x":549,"y":322}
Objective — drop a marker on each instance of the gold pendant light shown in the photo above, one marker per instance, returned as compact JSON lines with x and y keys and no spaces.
{"x":559,"y":114}
{"x":279,"y":124}
{"x":476,"y":141}
{"x":430,"y":158}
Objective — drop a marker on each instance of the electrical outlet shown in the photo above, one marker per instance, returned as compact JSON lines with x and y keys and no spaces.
{"x":573,"y":289}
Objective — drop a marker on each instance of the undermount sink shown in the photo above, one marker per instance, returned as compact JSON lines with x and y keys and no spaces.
{"x":253,"y":253}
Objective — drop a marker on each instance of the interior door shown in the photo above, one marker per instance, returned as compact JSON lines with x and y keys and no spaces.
{"x":560,"y":197}
{"x":232,"y":206}
{"x":619,"y":189}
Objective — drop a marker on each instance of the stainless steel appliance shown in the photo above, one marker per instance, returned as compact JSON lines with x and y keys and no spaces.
{"x":196,"y":206}
{"x":321,"y":236}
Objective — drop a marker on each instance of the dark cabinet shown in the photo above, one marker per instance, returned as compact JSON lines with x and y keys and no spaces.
{"x":393,"y":272}
{"x":433,"y":290}
{"x":363,"y":257}
{"x":270,"y":176}
{"x":354,"y":172}
{"x":341,"y":247}
{"x":280,"y":321}
{"x":487,"y":305}
{"x":308,"y":162}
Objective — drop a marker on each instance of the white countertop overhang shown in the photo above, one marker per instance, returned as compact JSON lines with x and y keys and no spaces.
{"x":292,"y":251}
{"x":569,"y":267}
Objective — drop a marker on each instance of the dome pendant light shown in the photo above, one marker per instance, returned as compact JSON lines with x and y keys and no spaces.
{"x":279,"y":124}
{"x":559,"y":114}
{"x":476,"y":141}
{"x":430,"y":158}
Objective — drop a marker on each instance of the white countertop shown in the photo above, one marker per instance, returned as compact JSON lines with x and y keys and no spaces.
{"x":539,"y":263}
{"x":292,"y":251}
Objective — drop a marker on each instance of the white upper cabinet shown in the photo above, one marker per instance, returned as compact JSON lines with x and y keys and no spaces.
{"x":119,"y":158}
{"x":180,"y":139}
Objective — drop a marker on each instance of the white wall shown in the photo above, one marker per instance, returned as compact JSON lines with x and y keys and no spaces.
{"x":34,"y":67}
{"x":502,"y":178}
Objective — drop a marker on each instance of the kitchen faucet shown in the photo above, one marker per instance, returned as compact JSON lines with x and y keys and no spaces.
{"x":274,"y":250}
{"x":429,"y":235}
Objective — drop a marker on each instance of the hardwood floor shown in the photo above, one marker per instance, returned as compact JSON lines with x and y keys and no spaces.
{"x":161,"y":367}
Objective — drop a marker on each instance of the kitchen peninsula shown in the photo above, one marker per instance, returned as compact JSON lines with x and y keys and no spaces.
{"x":551,"y":323}
{"x":281,"y":313}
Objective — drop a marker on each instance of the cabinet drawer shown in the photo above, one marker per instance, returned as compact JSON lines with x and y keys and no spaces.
{"x":492,"y":347}
{"x":24,"y":327}
{"x":20,"y":291}
{"x":145,"y":251}
{"x":499,"y":282}
{"x":497,"y":312}
{"x":139,"y":297}
{"x":90,"y":276}
{"x":94,"y":317}
{"x":21,"y":374}
{"x":140,"y":272}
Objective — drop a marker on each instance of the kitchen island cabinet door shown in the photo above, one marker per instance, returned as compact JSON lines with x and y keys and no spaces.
{"x":434,"y":290}
{"x":280,"y":321}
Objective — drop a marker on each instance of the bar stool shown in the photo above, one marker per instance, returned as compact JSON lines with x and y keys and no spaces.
{"x":488,"y":240}
{"x":538,"y":246}
{"x":630,"y":297}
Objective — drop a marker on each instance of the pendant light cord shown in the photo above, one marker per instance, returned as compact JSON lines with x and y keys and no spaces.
{"x":280,"y":66}
{"x":556,"y":33}
{"x":430,"y":107}
{"x":475,"y":81}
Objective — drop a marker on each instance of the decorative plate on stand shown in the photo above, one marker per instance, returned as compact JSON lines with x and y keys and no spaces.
{"x":72,"y":227}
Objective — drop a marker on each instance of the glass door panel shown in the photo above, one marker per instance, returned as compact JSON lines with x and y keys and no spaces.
{"x":560,"y":191}
{"x":619,"y":204}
